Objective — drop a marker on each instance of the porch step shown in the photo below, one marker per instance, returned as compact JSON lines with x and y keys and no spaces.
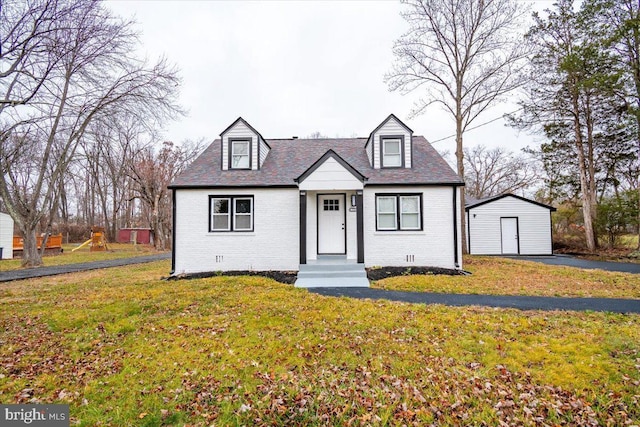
{"x":331,"y":273}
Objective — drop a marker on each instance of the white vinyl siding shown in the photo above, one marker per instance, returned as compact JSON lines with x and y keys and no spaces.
{"x":239,"y":132}
{"x":6,"y":235}
{"x":264,"y":150}
{"x":329,"y":176}
{"x":369,"y":150}
{"x":394,"y":129}
{"x":534,"y":227}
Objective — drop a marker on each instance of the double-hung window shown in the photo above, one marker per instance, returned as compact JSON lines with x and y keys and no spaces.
{"x":391,"y":152}
{"x":240,"y":154}
{"x":231,"y":213}
{"x":398,"y":212}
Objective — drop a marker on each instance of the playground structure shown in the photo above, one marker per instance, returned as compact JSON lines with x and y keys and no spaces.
{"x":97,"y":242}
{"x":53,"y":245}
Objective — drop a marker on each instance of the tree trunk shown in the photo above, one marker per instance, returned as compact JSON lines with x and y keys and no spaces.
{"x":460,"y":163}
{"x":30,"y":255}
{"x":587,"y":209}
{"x":158,"y":233}
{"x":590,"y":169}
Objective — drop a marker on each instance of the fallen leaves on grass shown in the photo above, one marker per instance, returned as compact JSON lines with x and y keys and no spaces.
{"x":123,"y":348}
{"x":502,"y":276}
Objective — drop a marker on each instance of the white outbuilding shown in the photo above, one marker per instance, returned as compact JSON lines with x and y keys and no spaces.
{"x":508,"y":225}
{"x":6,"y":236}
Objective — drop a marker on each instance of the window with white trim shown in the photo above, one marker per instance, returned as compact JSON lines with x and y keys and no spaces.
{"x":240,"y":154}
{"x":231,"y":213}
{"x":391,"y":152}
{"x":387,"y":214}
{"x":398,"y":212}
{"x":410,"y":212}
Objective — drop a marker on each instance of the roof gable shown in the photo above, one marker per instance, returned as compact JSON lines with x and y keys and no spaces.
{"x":321,"y":163}
{"x":251,"y":128}
{"x":390,"y":117}
{"x":481,"y":202}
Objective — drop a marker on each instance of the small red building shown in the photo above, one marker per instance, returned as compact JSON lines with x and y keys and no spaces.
{"x":137,"y":235}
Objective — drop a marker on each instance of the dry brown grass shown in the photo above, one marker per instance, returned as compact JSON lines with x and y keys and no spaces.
{"x":124,"y":348}
{"x":501,"y":276}
{"x":115,"y":251}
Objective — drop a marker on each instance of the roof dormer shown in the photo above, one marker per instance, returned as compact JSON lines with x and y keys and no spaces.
{"x":389,"y":145}
{"x":243,"y":147}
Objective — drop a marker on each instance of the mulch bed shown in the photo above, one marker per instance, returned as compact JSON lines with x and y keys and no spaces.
{"x":385,"y":272}
{"x":289,"y":277}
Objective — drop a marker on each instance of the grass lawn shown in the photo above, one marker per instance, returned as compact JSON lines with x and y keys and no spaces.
{"x":502,"y":276}
{"x":116,"y":250}
{"x":125,"y":348}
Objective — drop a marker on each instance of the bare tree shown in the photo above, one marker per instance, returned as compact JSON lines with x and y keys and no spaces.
{"x":490,"y":172}
{"x":317,"y":135}
{"x":108,"y":149}
{"x":464,"y":55}
{"x":86,"y":72}
{"x":152,"y":171}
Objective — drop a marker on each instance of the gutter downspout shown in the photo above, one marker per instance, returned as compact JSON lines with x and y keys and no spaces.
{"x":173,"y":233}
{"x":455,"y":229}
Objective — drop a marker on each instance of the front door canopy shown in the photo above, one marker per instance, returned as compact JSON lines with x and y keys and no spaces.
{"x":331,"y":172}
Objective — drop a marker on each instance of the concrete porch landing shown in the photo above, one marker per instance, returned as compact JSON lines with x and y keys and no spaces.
{"x":333,"y":271}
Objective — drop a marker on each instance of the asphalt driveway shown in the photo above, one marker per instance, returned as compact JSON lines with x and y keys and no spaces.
{"x":613,"y":305}
{"x":30,"y":273}
{"x":570,"y":261}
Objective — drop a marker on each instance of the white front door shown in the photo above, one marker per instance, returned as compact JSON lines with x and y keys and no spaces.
{"x":509,"y":232}
{"x":331,"y":224}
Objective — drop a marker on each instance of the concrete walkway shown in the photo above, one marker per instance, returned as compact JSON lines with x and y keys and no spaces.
{"x":613,"y":305}
{"x":30,"y":273}
{"x":624,"y":267}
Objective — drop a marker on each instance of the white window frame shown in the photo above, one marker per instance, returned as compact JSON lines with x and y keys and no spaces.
{"x":418,"y":212}
{"x":232,"y":214}
{"x":395,"y":212}
{"x":212,"y":201}
{"x":236,"y":214}
{"x":232,"y":155}
{"x":384,"y":141}
{"x":398,"y":222}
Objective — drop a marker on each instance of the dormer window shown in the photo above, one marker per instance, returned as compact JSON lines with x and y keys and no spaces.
{"x":392,"y":148}
{"x":240,"y":154}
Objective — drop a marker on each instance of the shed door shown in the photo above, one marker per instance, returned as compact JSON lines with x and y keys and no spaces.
{"x":509,"y":233}
{"x":331,"y":224}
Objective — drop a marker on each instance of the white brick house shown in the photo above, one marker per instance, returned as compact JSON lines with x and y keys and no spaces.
{"x":324,"y":207}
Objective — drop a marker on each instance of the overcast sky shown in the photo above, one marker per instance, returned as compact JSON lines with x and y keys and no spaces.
{"x":291,"y":68}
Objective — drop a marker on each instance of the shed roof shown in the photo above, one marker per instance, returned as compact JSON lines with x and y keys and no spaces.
{"x":288,"y":159}
{"x":474,"y":203}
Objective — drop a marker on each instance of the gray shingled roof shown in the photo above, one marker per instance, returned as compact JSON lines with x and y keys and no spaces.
{"x":290,"y":158}
{"x":471,"y":202}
